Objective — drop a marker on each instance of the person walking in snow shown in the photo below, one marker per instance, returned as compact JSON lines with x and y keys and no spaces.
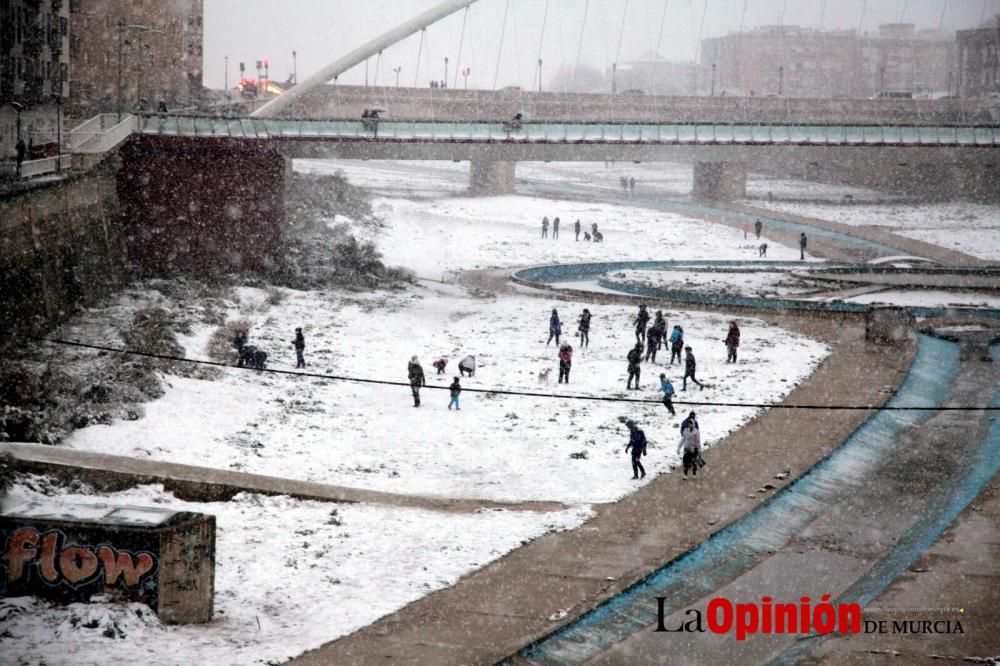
{"x":545,"y":227}
{"x":660,"y":324}
{"x":641,"y":319}
{"x":240,"y":340}
{"x":565,"y":362}
{"x":668,"y":394}
{"x":623,"y":181}
{"x":652,"y":343}
{"x":584,"y":328}
{"x":576,"y":228}
{"x":454,"y":389}
{"x":802,"y":246}
{"x":300,"y":346}
{"x":689,"y":369}
{"x":732,"y":341}
{"x":690,"y":446}
{"x":631,"y":185}
{"x":416,"y":376}
{"x":555,"y":327}
{"x":20,"y":151}
{"x":636,"y":442}
{"x":467,"y":365}
{"x":634,"y":358}
{"x":555,"y":228}
{"x":676,"y":343}
{"x":758,"y":226}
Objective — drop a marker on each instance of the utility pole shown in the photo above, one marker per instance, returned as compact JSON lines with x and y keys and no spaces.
{"x":225,"y":85}
{"x":295,"y":67}
{"x":397,"y":69}
{"x":446,"y":70}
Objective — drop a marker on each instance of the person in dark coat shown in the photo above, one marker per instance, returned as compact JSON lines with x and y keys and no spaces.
{"x":555,"y":327}
{"x":565,"y":362}
{"x":758,"y":226}
{"x":20,"y":150}
{"x":416,"y":377}
{"x":676,"y":343}
{"x":636,"y":442}
{"x":576,"y":228}
{"x":454,"y":389}
{"x":631,"y":185}
{"x":652,"y":343}
{"x":440,"y":365}
{"x":641,"y":320}
{"x":668,"y":394}
{"x":689,"y":369}
{"x":802,"y":246}
{"x":240,"y":339}
{"x":585,"y":328}
{"x":555,"y":228}
{"x":634,"y":358}
{"x":300,"y":347}
{"x":732,"y":342}
{"x":545,"y":227}
{"x":661,"y":326}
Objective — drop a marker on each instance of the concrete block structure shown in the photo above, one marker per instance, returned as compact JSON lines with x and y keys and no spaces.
{"x":68,"y":553}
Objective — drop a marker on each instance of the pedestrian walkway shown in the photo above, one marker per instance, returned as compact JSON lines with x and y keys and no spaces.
{"x":205,"y":484}
{"x":492,"y":613}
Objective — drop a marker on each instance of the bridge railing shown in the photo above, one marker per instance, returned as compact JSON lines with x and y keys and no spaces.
{"x":256,"y":128}
{"x":101,"y":133}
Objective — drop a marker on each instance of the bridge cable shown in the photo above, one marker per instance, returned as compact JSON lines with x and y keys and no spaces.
{"x":739,"y":60}
{"x":701,"y":28}
{"x":378,"y":66}
{"x":530,"y":394}
{"x":472,"y":45}
{"x":430,"y":75}
{"x":656,"y":59}
{"x":420,"y":50}
{"x":461,"y":40}
{"x":517,"y":51}
{"x":618,"y":53}
{"x":503,"y":30}
{"x":541,"y":40}
{"x":579,"y":48}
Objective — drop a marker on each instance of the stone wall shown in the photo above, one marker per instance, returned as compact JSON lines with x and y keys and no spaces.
{"x":61,"y":246}
{"x":201,"y":204}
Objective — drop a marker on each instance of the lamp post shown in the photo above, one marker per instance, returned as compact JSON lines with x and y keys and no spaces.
{"x":397,"y":69}
{"x":18,"y":108}
{"x":781,"y":80}
{"x":446,"y":70}
{"x":614,"y":71}
{"x":225,"y":85}
{"x":712,"y":93}
{"x":539,"y":75}
{"x":58,"y":100}
{"x":295,"y":67}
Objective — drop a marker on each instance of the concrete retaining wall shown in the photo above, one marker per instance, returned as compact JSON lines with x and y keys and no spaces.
{"x":61,"y":246}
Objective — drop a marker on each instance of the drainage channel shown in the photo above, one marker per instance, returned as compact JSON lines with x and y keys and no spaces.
{"x":755,"y":537}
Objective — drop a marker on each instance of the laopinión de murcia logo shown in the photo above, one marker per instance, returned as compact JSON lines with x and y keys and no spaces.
{"x":722,"y":616}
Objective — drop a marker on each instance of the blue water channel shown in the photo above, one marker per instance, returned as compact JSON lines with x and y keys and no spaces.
{"x":737,"y":547}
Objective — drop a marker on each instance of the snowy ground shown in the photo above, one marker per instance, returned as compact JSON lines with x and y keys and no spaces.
{"x":930,"y":298}
{"x":965,"y":227}
{"x":326,"y":570}
{"x":758,"y":283}
{"x":369,"y":435}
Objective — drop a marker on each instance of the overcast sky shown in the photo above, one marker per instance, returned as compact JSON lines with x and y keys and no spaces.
{"x":614,"y":31}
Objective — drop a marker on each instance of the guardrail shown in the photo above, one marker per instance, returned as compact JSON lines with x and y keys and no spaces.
{"x":680,"y":133}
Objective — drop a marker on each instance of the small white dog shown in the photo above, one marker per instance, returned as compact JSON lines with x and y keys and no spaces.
{"x":543,"y":376}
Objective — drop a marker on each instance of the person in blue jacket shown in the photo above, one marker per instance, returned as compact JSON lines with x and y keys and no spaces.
{"x":676,"y":343}
{"x":668,"y":394}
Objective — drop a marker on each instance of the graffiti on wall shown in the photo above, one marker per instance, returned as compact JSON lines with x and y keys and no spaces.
{"x":51,"y":557}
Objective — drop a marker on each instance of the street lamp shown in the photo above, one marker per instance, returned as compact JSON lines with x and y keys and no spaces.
{"x":18,"y":108}
{"x":295,"y":67}
{"x":225,"y":85}
{"x":58,"y":99}
{"x":397,"y":69}
{"x":446,"y":70}
{"x":539,"y":75}
{"x":614,"y":70}
{"x":712,"y":94}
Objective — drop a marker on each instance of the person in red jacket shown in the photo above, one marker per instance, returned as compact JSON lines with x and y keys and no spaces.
{"x":565,"y":362}
{"x":732,"y":341}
